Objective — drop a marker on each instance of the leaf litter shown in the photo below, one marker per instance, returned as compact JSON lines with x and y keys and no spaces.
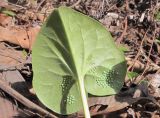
{"x":132,"y":23}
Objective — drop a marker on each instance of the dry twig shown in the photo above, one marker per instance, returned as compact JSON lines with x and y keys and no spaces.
{"x":141,"y":67}
{"x":147,"y":64}
{"x":124,"y":31}
{"x":6,"y":88}
{"x":139,"y":51}
{"x":77,"y":3}
{"x":40,"y":5}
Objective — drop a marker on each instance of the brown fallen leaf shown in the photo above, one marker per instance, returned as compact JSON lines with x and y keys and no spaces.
{"x":116,"y":103}
{"x":10,"y":6}
{"x":10,"y":57}
{"x":19,"y":36}
{"x":154,"y":84}
{"x":108,"y":104}
{"x":5,"y":19}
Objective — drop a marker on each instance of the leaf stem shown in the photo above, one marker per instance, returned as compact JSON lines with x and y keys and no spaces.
{"x":84,"y":98}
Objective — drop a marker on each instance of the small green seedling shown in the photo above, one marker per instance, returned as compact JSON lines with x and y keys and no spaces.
{"x":75,"y":55}
{"x":123,"y":48}
{"x":132,"y":75}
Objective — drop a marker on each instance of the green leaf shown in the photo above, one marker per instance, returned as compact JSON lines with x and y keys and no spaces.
{"x":158,"y":15}
{"x":24,"y":52}
{"x":132,"y":74}
{"x":123,"y":48}
{"x":71,"y":49}
{"x":7,"y":12}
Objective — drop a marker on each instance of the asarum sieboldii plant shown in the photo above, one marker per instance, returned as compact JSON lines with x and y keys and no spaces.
{"x":75,"y":55}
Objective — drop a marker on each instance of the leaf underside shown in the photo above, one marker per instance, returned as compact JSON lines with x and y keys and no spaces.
{"x":72,"y":46}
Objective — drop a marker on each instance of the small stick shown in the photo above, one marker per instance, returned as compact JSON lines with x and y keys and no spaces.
{"x":111,"y":7}
{"x":139,"y":66}
{"x":124,"y":31}
{"x":127,"y":5}
{"x":40,"y":5}
{"x":139,"y":51}
{"x":6,"y":88}
{"x":78,"y":2}
{"x":149,"y":54}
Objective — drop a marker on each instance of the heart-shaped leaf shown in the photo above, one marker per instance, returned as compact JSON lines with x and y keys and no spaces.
{"x":70,"y":48}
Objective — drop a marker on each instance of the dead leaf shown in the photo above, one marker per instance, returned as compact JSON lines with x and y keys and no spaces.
{"x":10,"y":59}
{"x":131,"y":112}
{"x":154,"y":84}
{"x":114,"y":103}
{"x":22,"y":37}
{"x":141,"y":90}
{"x":108,"y":104}
{"x":5,"y":19}
{"x":10,"y":6}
